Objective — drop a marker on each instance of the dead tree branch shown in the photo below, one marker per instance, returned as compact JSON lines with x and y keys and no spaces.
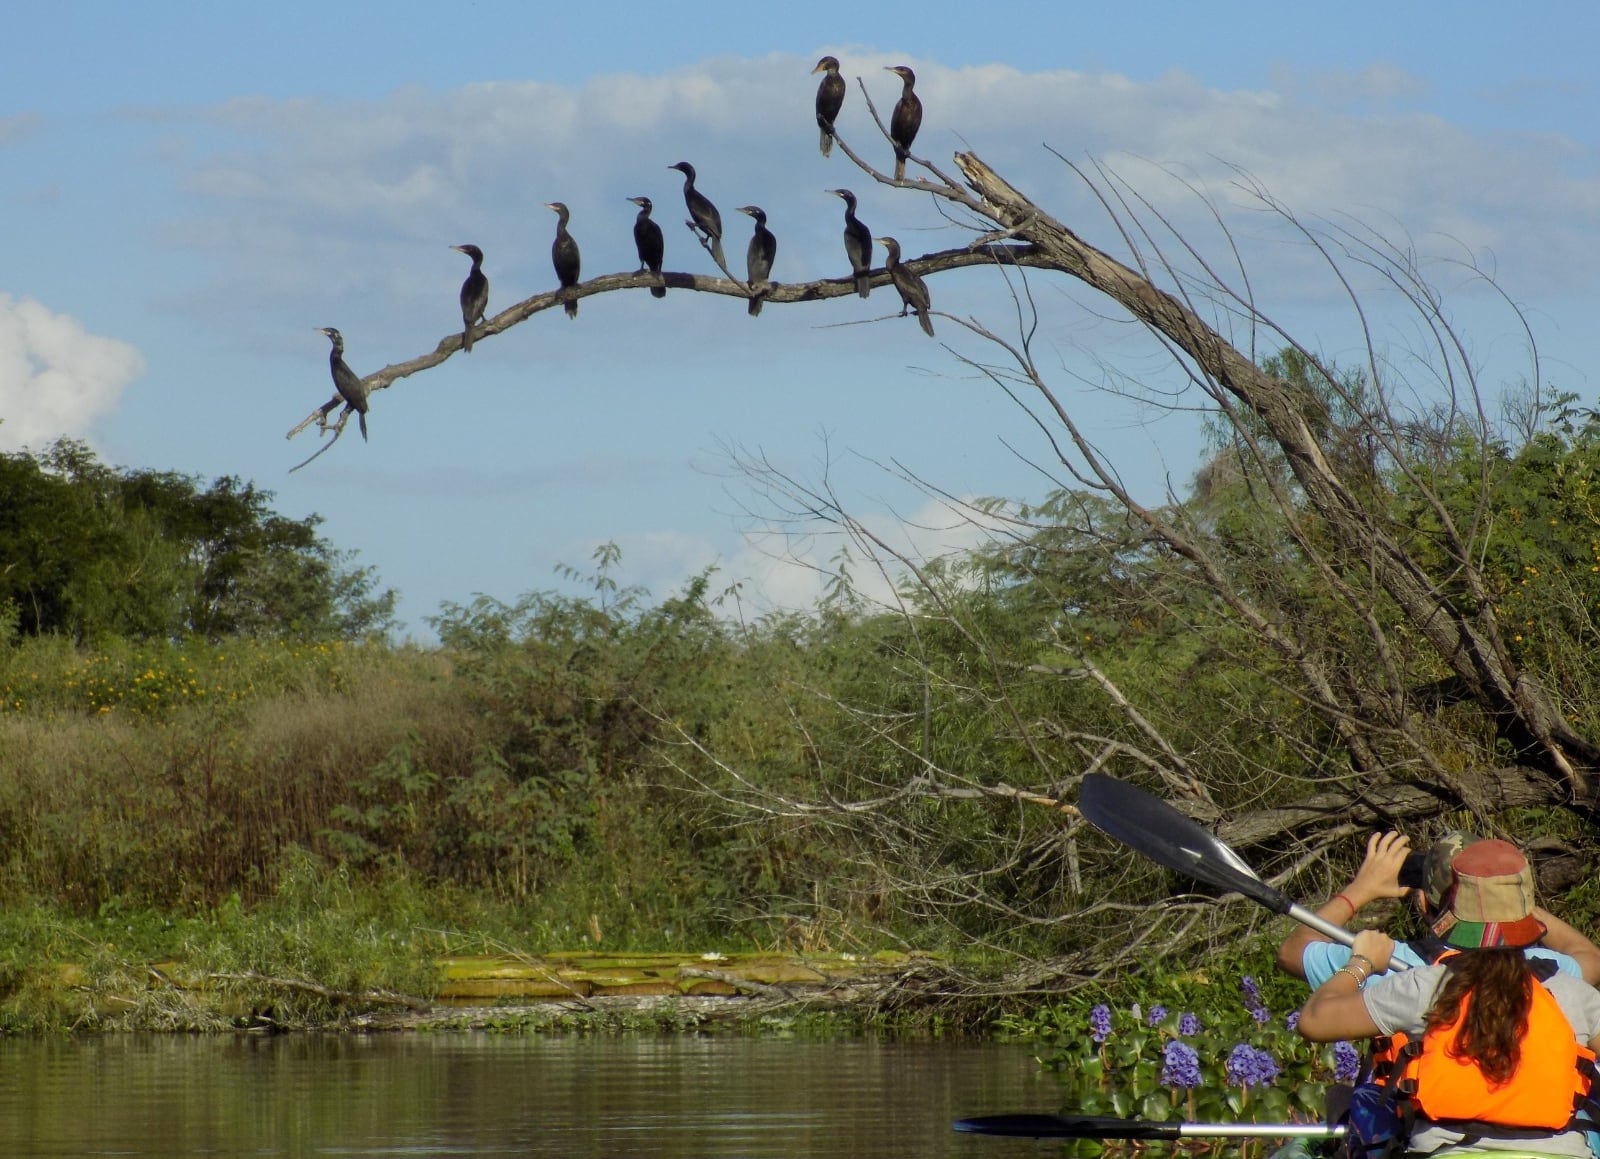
{"x":782,"y":293}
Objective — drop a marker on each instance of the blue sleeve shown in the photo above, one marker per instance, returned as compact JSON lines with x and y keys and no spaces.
{"x":1404,"y":953}
{"x":1322,"y":960}
{"x":1563,"y":963}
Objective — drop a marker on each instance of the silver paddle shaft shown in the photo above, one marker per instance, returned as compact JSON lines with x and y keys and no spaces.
{"x":1330,"y":931}
{"x":1260,"y":1131}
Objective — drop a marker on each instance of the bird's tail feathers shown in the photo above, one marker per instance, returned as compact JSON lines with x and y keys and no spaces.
{"x":927,"y":322}
{"x":716,"y":252}
{"x":362,"y":419}
{"x":658,"y":291}
{"x":899,"y":166}
{"x":572,"y":307}
{"x":863,"y":284}
{"x":826,"y":144}
{"x":466,"y":340}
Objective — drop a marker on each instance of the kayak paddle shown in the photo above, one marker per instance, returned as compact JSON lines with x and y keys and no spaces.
{"x":1026,"y":1126}
{"x":1150,"y":826}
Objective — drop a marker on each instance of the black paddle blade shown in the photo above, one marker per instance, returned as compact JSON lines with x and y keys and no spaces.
{"x":1065,"y":1127}
{"x":1150,"y":826}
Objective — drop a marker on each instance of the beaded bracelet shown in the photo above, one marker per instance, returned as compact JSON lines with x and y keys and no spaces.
{"x":1361,"y":979}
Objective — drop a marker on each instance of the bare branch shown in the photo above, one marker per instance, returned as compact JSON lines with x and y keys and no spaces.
{"x":782,"y":293}
{"x":320,"y":415}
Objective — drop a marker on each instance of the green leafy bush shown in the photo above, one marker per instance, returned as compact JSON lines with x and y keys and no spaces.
{"x":1201,"y":1052}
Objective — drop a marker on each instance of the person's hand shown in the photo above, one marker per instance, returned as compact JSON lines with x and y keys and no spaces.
{"x":1379,"y":875}
{"x":1375,"y":946}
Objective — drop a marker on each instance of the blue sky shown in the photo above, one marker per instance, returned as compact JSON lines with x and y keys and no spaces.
{"x":188,"y":190}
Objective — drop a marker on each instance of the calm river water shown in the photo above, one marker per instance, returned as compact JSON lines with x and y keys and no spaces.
{"x":478,"y":1094}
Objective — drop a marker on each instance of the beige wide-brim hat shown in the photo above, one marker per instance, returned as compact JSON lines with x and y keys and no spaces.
{"x":1492,"y":898}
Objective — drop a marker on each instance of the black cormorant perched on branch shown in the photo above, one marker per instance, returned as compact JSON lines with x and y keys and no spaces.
{"x":857,"y":243}
{"x":346,"y":381}
{"x":830,"y":99}
{"x":704,"y":216}
{"x":648,"y":241}
{"x":474,"y":295}
{"x":913,"y":290}
{"x":564,"y":254}
{"x":759,"y":257}
{"x":905,"y":121}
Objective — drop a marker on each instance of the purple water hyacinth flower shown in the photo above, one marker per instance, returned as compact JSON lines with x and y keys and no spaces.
{"x":1189,"y":1025}
{"x":1250,"y":1067}
{"x":1180,"y":1066}
{"x":1346,"y":1062}
{"x":1157,"y":1013}
{"x":1252,"y":992}
{"x":1293,"y":1021}
{"x":1261,"y":1014}
{"x":1100,"y":1023}
{"x":1266,"y":1072}
{"x":1241,"y":1064}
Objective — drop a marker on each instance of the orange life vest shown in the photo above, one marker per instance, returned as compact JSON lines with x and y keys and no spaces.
{"x":1429,"y":1078}
{"x":1384,"y":1050}
{"x":1551,"y":1080}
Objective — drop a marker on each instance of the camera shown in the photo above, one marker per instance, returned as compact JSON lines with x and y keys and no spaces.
{"x":1414,"y":870}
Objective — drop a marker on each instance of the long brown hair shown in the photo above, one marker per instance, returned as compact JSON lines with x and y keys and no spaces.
{"x":1501,"y":985}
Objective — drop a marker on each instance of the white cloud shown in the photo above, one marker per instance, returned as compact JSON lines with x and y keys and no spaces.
{"x":15,"y":128}
{"x":56,"y":378}
{"x":311,"y":212}
{"x":1379,"y":82}
{"x":878,"y":553}
{"x":304,"y":195}
{"x":791,"y":571}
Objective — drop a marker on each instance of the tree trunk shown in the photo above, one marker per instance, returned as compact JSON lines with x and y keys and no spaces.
{"x":1467,"y":640}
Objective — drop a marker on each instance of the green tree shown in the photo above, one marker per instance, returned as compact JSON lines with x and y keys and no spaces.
{"x":90,"y":551}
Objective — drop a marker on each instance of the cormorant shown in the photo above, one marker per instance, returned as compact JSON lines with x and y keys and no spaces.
{"x":474,"y":295}
{"x":905,"y":122}
{"x":648,"y":241}
{"x":830,"y":99}
{"x":346,"y":381}
{"x":857,"y":243}
{"x":759,"y":257}
{"x":564,"y":253}
{"x":704,"y":215}
{"x":913,"y":290}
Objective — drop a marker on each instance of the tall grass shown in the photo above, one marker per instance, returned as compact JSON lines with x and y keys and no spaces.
{"x":185,"y":779}
{"x":116,"y":788}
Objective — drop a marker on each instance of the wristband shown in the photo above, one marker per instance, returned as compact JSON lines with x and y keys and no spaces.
{"x":1354,"y":909}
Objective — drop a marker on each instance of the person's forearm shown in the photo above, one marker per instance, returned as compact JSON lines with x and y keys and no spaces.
{"x":1336,"y":1009}
{"x":1378,"y":877}
{"x":1337,"y":910}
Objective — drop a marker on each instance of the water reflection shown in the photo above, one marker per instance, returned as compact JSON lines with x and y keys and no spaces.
{"x":476,"y":1094}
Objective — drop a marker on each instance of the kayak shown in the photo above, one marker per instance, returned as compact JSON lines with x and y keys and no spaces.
{"x":1040,"y":1126}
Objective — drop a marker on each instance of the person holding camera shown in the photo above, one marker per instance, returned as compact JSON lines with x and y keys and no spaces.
{"x":1392,"y":869}
{"x":1490,"y":1049}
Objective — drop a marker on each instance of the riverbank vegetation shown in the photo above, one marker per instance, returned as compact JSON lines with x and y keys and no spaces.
{"x":1214,"y":1044}
{"x":237,"y":772}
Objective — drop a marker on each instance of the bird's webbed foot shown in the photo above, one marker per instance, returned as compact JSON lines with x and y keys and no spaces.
{"x":324,"y":411}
